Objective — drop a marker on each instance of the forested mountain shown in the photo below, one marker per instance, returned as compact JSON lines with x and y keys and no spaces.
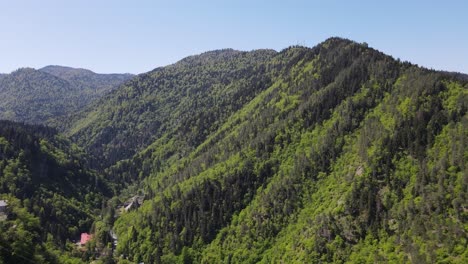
{"x":33,"y":96}
{"x":51,"y":196}
{"x":458,"y":75}
{"x":178,"y":105}
{"x":38,"y":96}
{"x":90,"y":83}
{"x":331,"y":154}
{"x":337,"y":153}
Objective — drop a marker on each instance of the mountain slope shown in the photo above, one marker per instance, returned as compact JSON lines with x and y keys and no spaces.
{"x":342,"y":152}
{"x":383,"y":195}
{"x":182,"y":103}
{"x":35,"y":96}
{"x":32,"y":96}
{"x":51,"y":195}
{"x":331,"y":154}
{"x":92,"y":84}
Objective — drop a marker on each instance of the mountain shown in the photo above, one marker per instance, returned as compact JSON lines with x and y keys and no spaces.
{"x":93,"y":83}
{"x":331,"y":154}
{"x":33,"y":96}
{"x":178,"y":105}
{"x":38,"y":96}
{"x":52,"y":197}
{"x":458,"y":75}
{"x":336,"y":153}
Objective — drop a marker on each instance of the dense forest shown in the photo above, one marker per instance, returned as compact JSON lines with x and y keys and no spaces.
{"x":182,"y":103}
{"x":331,"y":154}
{"x":90,"y":83}
{"x":44,"y":95}
{"x":52,"y":197}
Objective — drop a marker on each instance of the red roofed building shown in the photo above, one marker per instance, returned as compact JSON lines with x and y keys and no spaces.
{"x":85,"y":237}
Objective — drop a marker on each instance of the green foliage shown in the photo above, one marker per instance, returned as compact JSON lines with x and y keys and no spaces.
{"x":41,"y":96}
{"x":331,"y":154}
{"x":176,"y":107}
{"x":336,"y":159}
{"x":51,"y":196}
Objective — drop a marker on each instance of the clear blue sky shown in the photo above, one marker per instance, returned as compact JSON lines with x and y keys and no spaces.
{"x":137,"y":36}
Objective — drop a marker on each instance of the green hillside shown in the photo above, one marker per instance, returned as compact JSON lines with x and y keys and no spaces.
{"x":51,"y":196}
{"x":91,"y":84}
{"x":332,"y":154}
{"x":41,"y":96}
{"x":33,"y":96}
{"x":178,"y":105}
{"x":336,"y":153}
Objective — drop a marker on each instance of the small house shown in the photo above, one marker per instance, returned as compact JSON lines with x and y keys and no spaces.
{"x":85,"y":237}
{"x":134,"y":204}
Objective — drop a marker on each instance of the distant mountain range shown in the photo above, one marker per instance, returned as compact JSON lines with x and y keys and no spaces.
{"x":39,"y":96}
{"x":88,"y":80}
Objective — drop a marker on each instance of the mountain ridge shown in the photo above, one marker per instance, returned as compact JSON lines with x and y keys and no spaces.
{"x":52,"y":68}
{"x":236,"y":195}
{"x":145,"y":100}
{"x":39,"y":96}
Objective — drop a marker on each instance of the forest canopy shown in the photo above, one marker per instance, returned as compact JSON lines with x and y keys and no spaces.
{"x":331,"y":154}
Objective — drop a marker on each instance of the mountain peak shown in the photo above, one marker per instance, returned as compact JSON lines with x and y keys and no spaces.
{"x":57,"y":69}
{"x":23,"y":70}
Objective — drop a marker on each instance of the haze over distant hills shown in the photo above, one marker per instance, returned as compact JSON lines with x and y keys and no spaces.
{"x":38,"y":96}
{"x":332,"y":154}
{"x":88,"y":80}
